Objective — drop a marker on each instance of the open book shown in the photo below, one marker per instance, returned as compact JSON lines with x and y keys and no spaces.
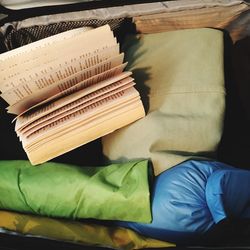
{"x":68,"y":90}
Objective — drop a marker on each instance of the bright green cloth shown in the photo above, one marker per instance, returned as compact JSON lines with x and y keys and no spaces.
{"x":180,"y":76}
{"x":115,"y":192}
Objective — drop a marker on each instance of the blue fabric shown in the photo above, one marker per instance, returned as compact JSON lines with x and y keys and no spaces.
{"x":228,"y":194}
{"x":179,"y":202}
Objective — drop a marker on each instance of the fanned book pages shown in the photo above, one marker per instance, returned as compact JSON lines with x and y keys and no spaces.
{"x":68,"y":90}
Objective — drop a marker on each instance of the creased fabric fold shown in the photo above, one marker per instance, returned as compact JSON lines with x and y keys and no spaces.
{"x":115,"y":192}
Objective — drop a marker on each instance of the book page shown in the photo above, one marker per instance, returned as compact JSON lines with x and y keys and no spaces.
{"x":71,"y":108}
{"x":67,"y":102}
{"x":68,"y":64}
{"x":43,"y":79}
{"x":81,"y":135}
{"x":89,"y":39}
{"x":88,"y":123}
{"x":37,"y":99}
{"x":82,"y":114}
{"x":39,"y":44}
{"x":46,"y":108}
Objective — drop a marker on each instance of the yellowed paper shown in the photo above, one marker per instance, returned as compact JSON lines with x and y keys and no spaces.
{"x":82,"y":114}
{"x":24,"y":119}
{"x":38,"y":98}
{"x":44,"y":79}
{"x":67,"y":64}
{"x":71,"y":108}
{"x":10,"y":55}
{"x":68,"y":90}
{"x":122,"y":107}
{"x":90,"y":39}
{"x":103,"y":126}
{"x":85,"y":100}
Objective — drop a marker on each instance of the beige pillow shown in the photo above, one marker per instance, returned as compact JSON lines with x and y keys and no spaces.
{"x":180,"y":77}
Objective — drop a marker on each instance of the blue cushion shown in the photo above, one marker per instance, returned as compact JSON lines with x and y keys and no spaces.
{"x":179,"y":205}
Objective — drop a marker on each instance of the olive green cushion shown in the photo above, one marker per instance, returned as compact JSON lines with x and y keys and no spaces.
{"x":80,"y":232}
{"x":180,"y":77}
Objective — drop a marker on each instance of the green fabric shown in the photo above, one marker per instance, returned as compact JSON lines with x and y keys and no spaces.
{"x":116,"y":192}
{"x":180,"y":78}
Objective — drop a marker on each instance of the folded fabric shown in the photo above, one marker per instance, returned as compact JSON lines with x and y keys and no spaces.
{"x":76,"y":232}
{"x":115,"y":192}
{"x":180,"y":77}
{"x":189,"y":199}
